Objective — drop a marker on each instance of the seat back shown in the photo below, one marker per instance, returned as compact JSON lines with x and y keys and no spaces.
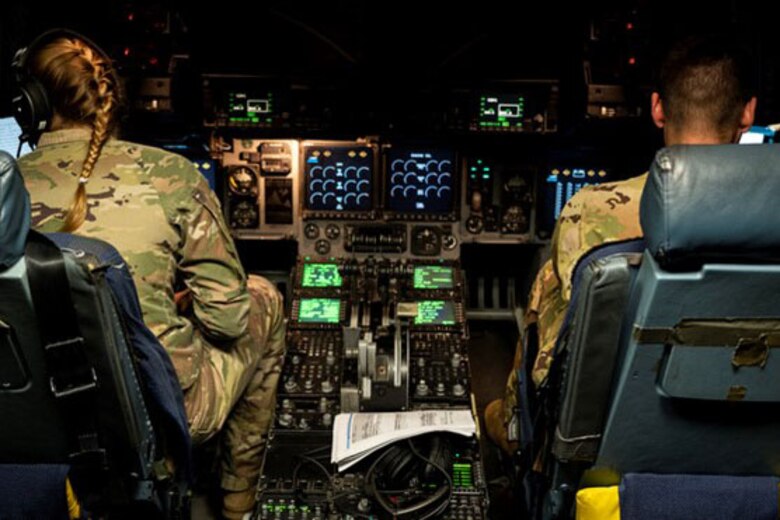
{"x":699,"y":384}
{"x":70,"y":392}
{"x":669,"y":364}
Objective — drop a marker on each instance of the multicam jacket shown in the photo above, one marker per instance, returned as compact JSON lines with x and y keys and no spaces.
{"x":597,"y":215}
{"x":158,"y":211}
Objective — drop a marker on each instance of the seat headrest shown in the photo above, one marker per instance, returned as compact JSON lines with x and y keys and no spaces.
{"x":14,"y":212}
{"x":713,"y":203}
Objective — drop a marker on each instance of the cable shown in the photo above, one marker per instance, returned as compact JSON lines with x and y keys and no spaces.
{"x":318,"y":450}
{"x":416,"y":508}
{"x":444,"y":472}
{"x":310,"y":460}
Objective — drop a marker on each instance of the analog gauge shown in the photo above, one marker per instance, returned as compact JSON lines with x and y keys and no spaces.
{"x":244,"y":215}
{"x":243,"y":181}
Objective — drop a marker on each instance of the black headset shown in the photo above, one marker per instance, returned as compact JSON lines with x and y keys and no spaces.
{"x":32,"y":105}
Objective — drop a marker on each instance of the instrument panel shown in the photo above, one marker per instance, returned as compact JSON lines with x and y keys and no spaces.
{"x":362,"y":197}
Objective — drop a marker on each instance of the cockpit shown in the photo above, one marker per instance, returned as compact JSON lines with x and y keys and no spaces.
{"x":368,"y":261}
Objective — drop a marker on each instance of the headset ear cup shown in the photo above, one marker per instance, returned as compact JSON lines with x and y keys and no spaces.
{"x":41,"y":106}
{"x":31,"y":108}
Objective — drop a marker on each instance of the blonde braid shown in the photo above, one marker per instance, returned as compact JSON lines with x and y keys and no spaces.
{"x":105,"y":101}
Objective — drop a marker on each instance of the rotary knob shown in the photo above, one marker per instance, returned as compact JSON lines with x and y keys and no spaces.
{"x":474,"y":224}
{"x":322,"y":247}
{"x":285,"y":420}
{"x":332,"y":231}
{"x":290,"y":385}
{"x":456,"y":359}
{"x":327,"y":386}
{"x":323,"y":406}
{"x":422,"y":388}
{"x":458,"y":390}
{"x":449,"y":242}
{"x":311,"y":231}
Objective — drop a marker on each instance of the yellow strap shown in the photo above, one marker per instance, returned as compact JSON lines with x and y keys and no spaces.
{"x":598,"y":503}
{"x":74,"y":508}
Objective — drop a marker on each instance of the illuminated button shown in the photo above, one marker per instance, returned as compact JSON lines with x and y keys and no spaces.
{"x":566,"y":172}
{"x":363,"y":154}
{"x":591,"y":173}
{"x":316,"y":153}
{"x":327,"y":153}
{"x":602,"y":173}
{"x":556,"y":171}
{"x":352,"y":154}
{"x":206,"y":166}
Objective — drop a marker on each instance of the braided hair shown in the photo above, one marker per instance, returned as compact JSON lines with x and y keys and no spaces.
{"x":85,"y":91}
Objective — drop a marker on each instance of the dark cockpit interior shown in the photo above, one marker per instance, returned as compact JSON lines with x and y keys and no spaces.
{"x":400,"y":174}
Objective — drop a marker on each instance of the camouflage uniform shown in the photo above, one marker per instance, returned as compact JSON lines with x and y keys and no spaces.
{"x":159,"y":212}
{"x":596,"y":215}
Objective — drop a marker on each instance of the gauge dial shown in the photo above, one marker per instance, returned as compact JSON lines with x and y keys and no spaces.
{"x":245,"y":215}
{"x":243,"y":181}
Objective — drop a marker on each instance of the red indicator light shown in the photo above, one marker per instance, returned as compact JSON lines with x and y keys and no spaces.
{"x":126,"y":52}
{"x":632,"y":61}
{"x":629,"y":26}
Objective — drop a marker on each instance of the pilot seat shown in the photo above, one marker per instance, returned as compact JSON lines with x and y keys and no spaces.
{"x":93,"y":417}
{"x":662,"y":400}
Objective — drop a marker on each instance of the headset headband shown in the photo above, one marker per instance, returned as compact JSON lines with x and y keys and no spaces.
{"x":32,"y":106}
{"x":23,"y":54}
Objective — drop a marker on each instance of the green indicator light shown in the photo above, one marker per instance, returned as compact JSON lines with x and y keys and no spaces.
{"x":255,"y":120}
{"x":505,"y":123}
{"x":479,"y":161}
{"x":435,"y":312}
{"x":433,"y":277}
{"x":486,"y":169}
{"x":321,"y":275}
{"x":473,"y":168}
{"x":319,"y":310}
{"x":486,"y":176}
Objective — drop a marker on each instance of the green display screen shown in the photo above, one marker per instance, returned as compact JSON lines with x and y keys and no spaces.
{"x":435,"y":312}
{"x":462,"y":475}
{"x":250,"y":107}
{"x":321,"y":275}
{"x":433,"y":277}
{"x":501,"y":111}
{"x":319,"y":310}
